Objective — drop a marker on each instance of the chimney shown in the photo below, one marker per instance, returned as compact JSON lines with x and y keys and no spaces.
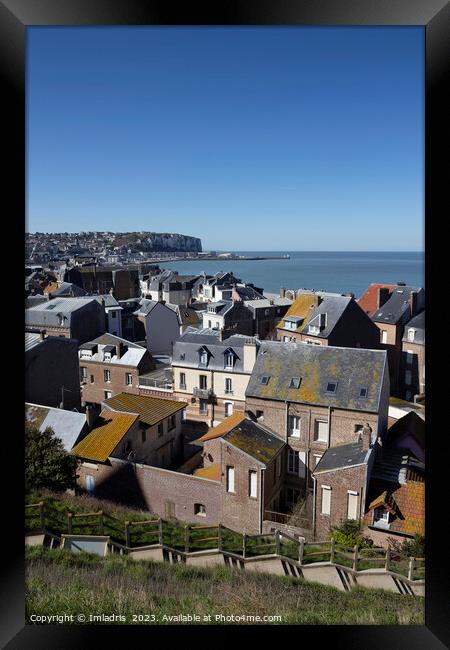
{"x":282,"y":292}
{"x":249,"y":354}
{"x":383,"y":296}
{"x":366,"y":436}
{"x":119,"y":349}
{"x":90,"y":417}
{"x":413,"y":303}
{"x":270,"y":301}
{"x":322,"y":321}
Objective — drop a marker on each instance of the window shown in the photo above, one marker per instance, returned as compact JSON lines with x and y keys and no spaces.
{"x":286,"y":339}
{"x":363,"y":391}
{"x":317,"y":458}
{"x":203,"y":358}
{"x":331,"y":387}
{"x":291,"y":497}
{"x":203,"y":407}
{"x":252,"y":484}
{"x":230,"y":479}
{"x":408,"y":395}
{"x":90,"y":483}
{"x":296,"y":462}
{"x":108,"y":394}
{"x":265,"y":380}
{"x":229,"y":359}
{"x":411,"y":334}
{"x":408,"y":377}
{"x":182,"y":380}
{"x":92,"y":379}
{"x":228,"y":409}
{"x":209,"y":324}
{"x":203,"y":381}
{"x":107,"y":376}
{"x":200,"y":509}
{"x":321,"y":431}
{"x":260,"y":415}
{"x":113,"y":314}
{"x":352,"y":505}
{"x":183,"y":415}
{"x":107,"y":356}
{"x":160,"y":429}
{"x":228,"y":385}
{"x":129,"y":379}
{"x":358,"y":428}
{"x":83,"y":373}
{"x":171,"y":423}
{"x":409,"y":357}
{"x":295,"y":382}
{"x":294,"y":426}
{"x":384,"y":336}
{"x":182,"y":356}
{"x":326,"y":500}
{"x":381,"y":517}
{"x":169,"y":509}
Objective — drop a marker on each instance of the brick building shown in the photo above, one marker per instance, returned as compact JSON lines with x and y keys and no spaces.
{"x":412,"y":373}
{"x":74,"y":318}
{"x":314,"y":398}
{"x":110,"y":365}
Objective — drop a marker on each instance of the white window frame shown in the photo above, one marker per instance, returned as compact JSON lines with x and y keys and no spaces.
{"x":411,"y":334}
{"x":384,"y":336}
{"x":253,"y":484}
{"x":354,"y":502}
{"x":229,"y":405}
{"x":228,"y":363}
{"x":228,"y":385}
{"x":107,"y":376}
{"x":230,"y":479}
{"x":293,"y":431}
{"x":128,"y":379}
{"x":325,"y":504}
{"x":317,"y":428}
{"x":108,"y":394}
{"x":200,"y":509}
{"x":317,"y":458}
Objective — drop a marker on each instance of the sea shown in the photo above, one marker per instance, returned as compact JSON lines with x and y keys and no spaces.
{"x":337,"y":272}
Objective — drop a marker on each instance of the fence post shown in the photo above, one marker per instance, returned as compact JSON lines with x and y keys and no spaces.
{"x":100,"y":525}
{"x":219,"y":537}
{"x":41,"y":515}
{"x":127,"y":534}
{"x":244,"y":544}
{"x":301,"y":550}
{"x":186,"y":538}
{"x":160,"y":530}
{"x":278,"y":542}
{"x":355,"y":558}
{"x":69,"y":522}
{"x":333,"y":542}
{"x":388,"y":557}
{"x":411,"y":568}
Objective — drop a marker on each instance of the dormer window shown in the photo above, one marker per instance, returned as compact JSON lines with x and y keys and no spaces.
{"x":313,"y":329}
{"x":331,"y":387}
{"x":182,"y":356}
{"x":107,"y":356}
{"x":411,"y":334}
{"x":295,"y":382}
{"x":203,"y":357}
{"x":265,"y":380}
{"x":229,"y":359}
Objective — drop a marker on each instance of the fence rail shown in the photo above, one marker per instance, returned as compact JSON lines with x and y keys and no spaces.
{"x":42,"y":517}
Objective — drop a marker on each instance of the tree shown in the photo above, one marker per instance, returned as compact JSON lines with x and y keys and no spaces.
{"x":47,"y":464}
{"x":349,"y":533}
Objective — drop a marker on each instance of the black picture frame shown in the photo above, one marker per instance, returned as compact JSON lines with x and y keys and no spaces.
{"x":15,"y":17}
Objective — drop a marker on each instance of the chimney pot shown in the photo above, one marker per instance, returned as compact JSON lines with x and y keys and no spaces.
{"x":383,"y":296}
{"x":366,"y":436}
{"x":282,"y":292}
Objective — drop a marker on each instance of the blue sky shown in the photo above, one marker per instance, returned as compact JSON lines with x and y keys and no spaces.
{"x":250,"y":138}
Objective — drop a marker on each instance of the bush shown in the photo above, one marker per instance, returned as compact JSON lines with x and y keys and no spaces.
{"x":47,"y":464}
{"x":413,"y":547}
{"x":349,"y":534}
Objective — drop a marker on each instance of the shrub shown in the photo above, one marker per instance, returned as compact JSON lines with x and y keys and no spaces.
{"x":413,"y":547}
{"x":349,"y":534}
{"x":47,"y":464}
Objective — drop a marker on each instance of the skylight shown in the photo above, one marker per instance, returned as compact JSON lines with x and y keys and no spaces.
{"x":295,"y":382}
{"x":265,"y":380}
{"x":331,"y":387}
{"x":363,"y":391}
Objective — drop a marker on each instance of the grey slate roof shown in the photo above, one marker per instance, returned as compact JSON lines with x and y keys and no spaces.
{"x":341,"y":457}
{"x":351,"y":368}
{"x":69,"y":289}
{"x":417,"y":323}
{"x":67,"y":425}
{"x":333,"y":307}
{"x":254,"y":440}
{"x":192,"y":340}
{"x":396,"y":307}
{"x":31,"y":340}
{"x":48,"y":313}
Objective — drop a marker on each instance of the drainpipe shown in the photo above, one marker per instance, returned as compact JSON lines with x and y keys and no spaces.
{"x":329,"y":426}
{"x":286,"y":417}
{"x":212,"y":402}
{"x":314,"y":507}
{"x":261,"y":496}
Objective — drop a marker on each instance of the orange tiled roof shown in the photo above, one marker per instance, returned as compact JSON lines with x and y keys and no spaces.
{"x":212,"y":472}
{"x":224,"y":427}
{"x":101,"y":441}
{"x":369,"y":300}
{"x":51,"y":286}
{"x":409,"y":502}
{"x":301,"y":307}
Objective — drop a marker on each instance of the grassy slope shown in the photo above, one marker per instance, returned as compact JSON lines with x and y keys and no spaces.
{"x":59,"y":582}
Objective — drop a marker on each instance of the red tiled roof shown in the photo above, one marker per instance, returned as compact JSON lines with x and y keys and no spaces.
{"x":369,"y":300}
{"x":409,"y":501}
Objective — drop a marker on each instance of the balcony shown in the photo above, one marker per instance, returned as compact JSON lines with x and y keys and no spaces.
{"x":203,"y":393}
